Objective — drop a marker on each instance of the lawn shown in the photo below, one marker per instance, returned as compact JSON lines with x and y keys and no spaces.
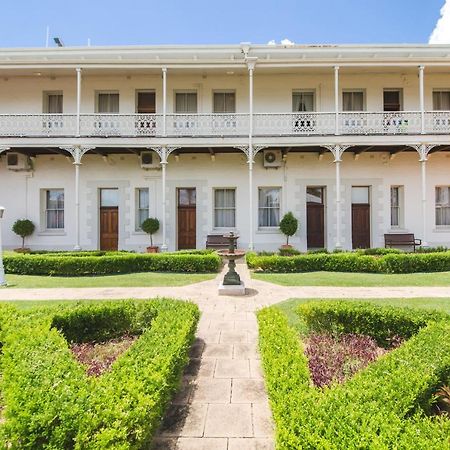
{"x":355,"y":279}
{"x":145,"y":279}
{"x":439,"y":304}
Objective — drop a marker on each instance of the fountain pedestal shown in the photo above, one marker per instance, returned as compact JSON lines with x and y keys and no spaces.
{"x":231,"y":284}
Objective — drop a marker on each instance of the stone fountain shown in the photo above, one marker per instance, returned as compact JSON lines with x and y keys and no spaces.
{"x":232,"y":283}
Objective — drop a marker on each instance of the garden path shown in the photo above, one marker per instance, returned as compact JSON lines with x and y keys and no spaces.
{"x":222,"y":404}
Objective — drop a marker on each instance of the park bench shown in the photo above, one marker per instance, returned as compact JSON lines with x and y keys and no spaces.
{"x":401,"y":239}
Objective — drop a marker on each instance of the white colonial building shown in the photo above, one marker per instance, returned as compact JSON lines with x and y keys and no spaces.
{"x":354,"y":140}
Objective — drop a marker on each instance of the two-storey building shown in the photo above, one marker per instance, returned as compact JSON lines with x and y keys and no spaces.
{"x":354,"y":140}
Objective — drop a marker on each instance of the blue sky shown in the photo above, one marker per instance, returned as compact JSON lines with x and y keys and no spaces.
{"x":23,"y":22}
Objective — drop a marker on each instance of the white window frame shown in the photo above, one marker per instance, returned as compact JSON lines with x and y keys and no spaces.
{"x":270,"y":227}
{"x":399,"y":207}
{"x":432,"y":96}
{"x":439,"y":206}
{"x":45,"y":97}
{"x":97,"y":95}
{"x":222,"y":91}
{"x":139,"y":208}
{"x":363,"y":91}
{"x":304,"y":91}
{"x":215,"y":207}
{"x":45,"y":192}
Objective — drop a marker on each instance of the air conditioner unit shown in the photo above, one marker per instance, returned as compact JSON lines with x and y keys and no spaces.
{"x":272,"y":158}
{"x":17,"y":162}
{"x":149,"y":160}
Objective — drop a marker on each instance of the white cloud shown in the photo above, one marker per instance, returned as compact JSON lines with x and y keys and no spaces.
{"x":272,"y":42}
{"x":286,"y":41}
{"x":441,"y":32}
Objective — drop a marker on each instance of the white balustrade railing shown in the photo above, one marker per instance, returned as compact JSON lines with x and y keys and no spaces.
{"x":388,"y":123}
{"x":218,"y":125}
{"x":293,"y":124}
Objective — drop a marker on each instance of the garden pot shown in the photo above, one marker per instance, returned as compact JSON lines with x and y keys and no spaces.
{"x":286,"y":247}
{"x":153,"y":249}
{"x":22,"y":250}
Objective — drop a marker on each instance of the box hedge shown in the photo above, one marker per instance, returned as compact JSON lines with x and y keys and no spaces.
{"x":107,"y":264}
{"x":382,"y":407}
{"x":352,"y":262}
{"x":49,"y":401}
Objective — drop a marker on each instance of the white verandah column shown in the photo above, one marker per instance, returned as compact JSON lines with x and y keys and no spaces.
{"x":164,"y":96}
{"x":336,"y":99}
{"x":422,"y":99}
{"x":78,"y":130}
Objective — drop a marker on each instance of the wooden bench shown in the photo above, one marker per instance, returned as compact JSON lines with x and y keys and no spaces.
{"x":216,"y":241}
{"x":401,"y":239}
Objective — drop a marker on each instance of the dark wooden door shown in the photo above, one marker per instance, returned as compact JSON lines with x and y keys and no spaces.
{"x":315,"y":223}
{"x":187,"y":222}
{"x":109,"y":228}
{"x":361,"y":225}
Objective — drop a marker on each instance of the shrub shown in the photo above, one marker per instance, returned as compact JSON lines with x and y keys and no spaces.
{"x":288,"y":225}
{"x":288,"y":251}
{"x":68,"y":265}
{"x":150,"y":226}
{"x":23,"y":228}
{"x":382,"y":406}
{"x":51,"y":403}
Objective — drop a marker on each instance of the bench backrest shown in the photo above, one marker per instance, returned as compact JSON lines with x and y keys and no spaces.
{"x":216,"y":239}
{"x":405,"y":237}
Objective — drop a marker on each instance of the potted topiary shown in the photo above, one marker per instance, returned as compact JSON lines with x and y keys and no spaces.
{"x":151,"y":226}
{"x":288,"y":226}
{"x":23,"y":228}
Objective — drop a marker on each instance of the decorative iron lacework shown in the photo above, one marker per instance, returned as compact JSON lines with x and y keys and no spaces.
{"x":77,"y":151}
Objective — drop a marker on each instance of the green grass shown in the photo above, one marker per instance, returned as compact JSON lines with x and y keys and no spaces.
{"x":355,"y":279}
{"x":148,"y":279}
{"x":437,"y":304}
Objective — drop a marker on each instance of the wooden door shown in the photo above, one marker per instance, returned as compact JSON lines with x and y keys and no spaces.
{"x":315,"y":217}
{"x":361,"y":225}
{"x":187,"y":223}
{"x":109,"y":228}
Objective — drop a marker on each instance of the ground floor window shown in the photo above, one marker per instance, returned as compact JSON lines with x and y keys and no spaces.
{"x":269,"y":206}
{"x":443,"y":205}
{"x":225,"y":208}
{"x":396,"y":207}
{"x":142,"y":206}
{"x":54,"y":209}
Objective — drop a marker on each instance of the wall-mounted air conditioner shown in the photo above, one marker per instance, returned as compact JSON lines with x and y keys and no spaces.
{"x":149,"y":160}
{"x":272,"y":158}
{"x":17,"y":162}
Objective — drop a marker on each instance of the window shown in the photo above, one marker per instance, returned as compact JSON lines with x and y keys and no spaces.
{"x":353,"y":101}
{"x":360,"y":195}
{"x":396,"y":208}
{"x":392,"y":100}
{"x":142,"y":206}
{"x":53,"y":103}
{"x":443,"y":205}
{"x":303,"y":101}
{"x":108,"y":102}
{"x":225,"y":208}
{"x":54,"y":209}
{"x":269,"y":207}
{"x":441,"y":100}
{"x":224,"y":102}
{"x":186,"y":102}
{"x":314,"y":194}
{"x":145,"y":102}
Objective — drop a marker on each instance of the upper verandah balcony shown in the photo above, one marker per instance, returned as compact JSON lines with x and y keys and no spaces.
{"x":263,"y":80}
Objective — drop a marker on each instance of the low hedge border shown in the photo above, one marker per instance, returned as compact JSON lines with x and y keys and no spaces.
{"x":51,"y":403}
{"x":383,"y":406}
{"x":352,"y":262}
{"x":68,"y":265}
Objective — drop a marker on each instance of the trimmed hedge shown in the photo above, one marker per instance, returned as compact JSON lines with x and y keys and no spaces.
{"x":382,"y":407}
{"x":68,"y":265}
{"x":51,"y":403}
{"x":352,"y":262}
{"x":384,"y":324}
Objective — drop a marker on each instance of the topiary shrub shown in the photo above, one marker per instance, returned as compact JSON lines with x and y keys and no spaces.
{"x":150,"y":226}
{"x":288,"y":225}
{"x":23,"y":228}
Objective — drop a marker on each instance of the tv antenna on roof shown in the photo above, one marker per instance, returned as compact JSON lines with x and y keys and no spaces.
{"x":47,"y":36}
{"x":58,"y":42}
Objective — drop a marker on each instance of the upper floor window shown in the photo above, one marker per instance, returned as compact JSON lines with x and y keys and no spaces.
{"x":186,"y":102}
{"x":142,"y":206}
{"x":441,"y":100}
{"x":54,"y":209}
{"x":224,"y":102}
{"x":269,"y":206}
{"x":108,"y":102}
{"x":353,"y":101}
{"x":443,"y":205}
{"x":224,"y":208}
{"x":303,"y":101}
{"x":145,"y":102}
{"x":392,"y":100}
{"x":53,"y":102}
